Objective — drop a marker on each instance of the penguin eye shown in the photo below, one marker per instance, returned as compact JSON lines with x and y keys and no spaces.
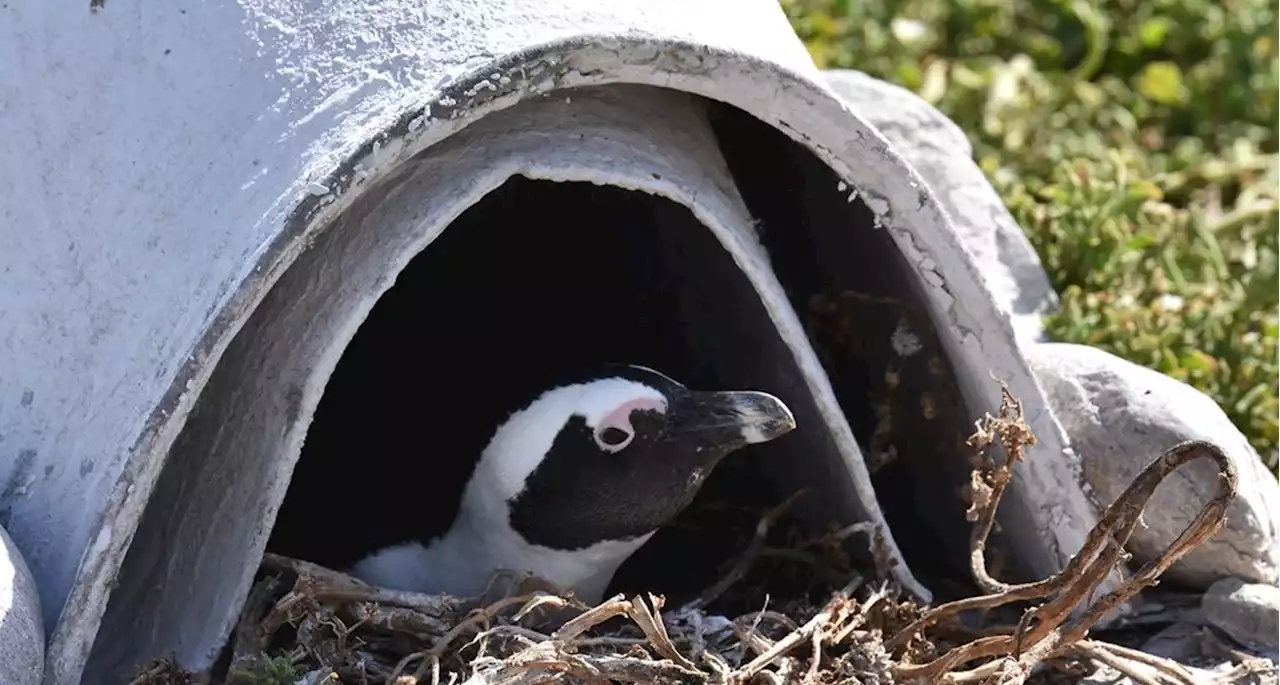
{"x":612,"y":438}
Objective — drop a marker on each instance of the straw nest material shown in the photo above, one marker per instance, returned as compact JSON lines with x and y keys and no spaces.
{"x":309,"y":625}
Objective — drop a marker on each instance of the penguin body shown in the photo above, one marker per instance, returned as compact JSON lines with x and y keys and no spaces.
{"x":579,"y":477}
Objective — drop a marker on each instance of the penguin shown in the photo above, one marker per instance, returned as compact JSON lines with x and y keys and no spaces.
{"x":577,"y":478}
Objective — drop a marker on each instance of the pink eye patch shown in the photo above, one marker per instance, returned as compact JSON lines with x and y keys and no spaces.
{"x":620,"y":417}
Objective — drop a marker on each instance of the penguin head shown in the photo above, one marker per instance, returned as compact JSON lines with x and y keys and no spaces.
{"x":613,"y":455}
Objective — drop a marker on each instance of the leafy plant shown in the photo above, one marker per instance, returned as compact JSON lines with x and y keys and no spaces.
{"x":1135,"y":141}
{"x":282,"y":669}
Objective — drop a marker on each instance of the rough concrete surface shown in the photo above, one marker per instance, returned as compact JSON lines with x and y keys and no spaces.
{"x":941,"y":152}
{"x":1120,"y":416}
{"x":21,"y":629}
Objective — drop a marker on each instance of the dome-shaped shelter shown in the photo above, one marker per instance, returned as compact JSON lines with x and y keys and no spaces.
{"x":216,"y":202}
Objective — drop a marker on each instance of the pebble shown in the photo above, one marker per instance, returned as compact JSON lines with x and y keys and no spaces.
{"x":1248,"y":612}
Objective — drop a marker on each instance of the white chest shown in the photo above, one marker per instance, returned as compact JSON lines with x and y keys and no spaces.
{"x":462,"y":562}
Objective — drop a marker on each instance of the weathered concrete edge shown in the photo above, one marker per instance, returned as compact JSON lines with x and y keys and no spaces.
{"x":943,"y":154}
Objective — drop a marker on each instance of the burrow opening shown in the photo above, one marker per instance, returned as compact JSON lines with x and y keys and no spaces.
{"x":591,"y":274}
{"x":537,"y":278}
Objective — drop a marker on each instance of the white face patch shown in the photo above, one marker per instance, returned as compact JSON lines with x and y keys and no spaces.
{"x":523,"y":440}
{"x":611,"y":401}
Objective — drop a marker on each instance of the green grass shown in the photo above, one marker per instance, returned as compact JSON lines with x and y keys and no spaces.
{"x":1135,"y":142}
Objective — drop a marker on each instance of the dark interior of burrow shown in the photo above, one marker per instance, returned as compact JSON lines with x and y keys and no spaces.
{"x":866,"y":316}
{"x":542,"y":276}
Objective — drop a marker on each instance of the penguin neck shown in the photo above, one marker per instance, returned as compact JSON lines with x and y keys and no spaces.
{"x":479,"y":543}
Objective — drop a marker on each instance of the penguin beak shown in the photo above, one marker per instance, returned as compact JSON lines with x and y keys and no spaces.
{"x":724,"y":421}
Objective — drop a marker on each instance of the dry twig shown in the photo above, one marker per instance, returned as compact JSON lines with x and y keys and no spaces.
{"x":749,"y":557}
{"x":1051,"y":634}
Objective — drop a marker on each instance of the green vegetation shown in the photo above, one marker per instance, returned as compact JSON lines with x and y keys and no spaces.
{"x":1135,"y":141}
{"x":282,"y":669}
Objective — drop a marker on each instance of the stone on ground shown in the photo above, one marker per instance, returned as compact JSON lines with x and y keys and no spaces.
{"x":1119,"y":417}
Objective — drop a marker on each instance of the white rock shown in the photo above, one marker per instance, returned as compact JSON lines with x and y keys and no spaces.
{"x":941,"y":153}
{"x":21,"y":626}
{"x":1248,"y":612}
{"x":1119,"y":417}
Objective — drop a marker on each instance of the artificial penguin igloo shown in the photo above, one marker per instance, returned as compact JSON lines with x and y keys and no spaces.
{"x":281,"y":222}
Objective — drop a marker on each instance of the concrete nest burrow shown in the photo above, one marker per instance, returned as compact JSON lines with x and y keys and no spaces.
{"x":612,"y":223}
